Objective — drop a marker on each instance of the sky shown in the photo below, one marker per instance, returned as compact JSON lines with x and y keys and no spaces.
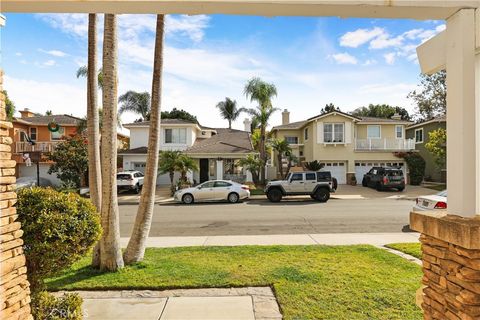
{"x":312,"y":61}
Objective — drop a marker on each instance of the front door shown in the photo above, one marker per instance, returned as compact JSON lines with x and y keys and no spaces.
{"x":203,"y":170}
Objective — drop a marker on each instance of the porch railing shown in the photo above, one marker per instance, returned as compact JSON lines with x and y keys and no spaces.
{"x":43,"y":146}
{"x":384,"y":144}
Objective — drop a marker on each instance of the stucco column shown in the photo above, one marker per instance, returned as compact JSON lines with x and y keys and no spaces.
{"x":219,"y":169}
{"x":249,"y":177}
{"x":463,"y":115}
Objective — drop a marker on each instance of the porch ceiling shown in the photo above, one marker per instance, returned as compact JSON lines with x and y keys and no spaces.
{"x":415,"y":9}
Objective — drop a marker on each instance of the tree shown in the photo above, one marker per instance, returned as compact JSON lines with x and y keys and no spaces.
{"x":313,"y":165}
{"x":136,"y":102}
{"x":179,"y":114}
{"x":136,"y":245}
{"x":229,"y":111}
{"x":185,"y":164}
{"x":383,"y":111}
{"x":436,"y":145}
{"x":169,"y":162}
{"x":253,"y":164}
{"x":431,"y":97}
{"x":291,"y":160}
{"x":70,"y":161}
{"x":83,"y":72}
{"x":283,"y":149}
{"x":329,"y":108}
{"x":261,"y":92}
{"x":110,"y":252}
{"x":9,"y":106}
{"x":48,"y":113}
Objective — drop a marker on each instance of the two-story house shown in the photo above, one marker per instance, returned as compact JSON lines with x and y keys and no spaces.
{"x":346,"y":145}
{"x":216,"y":150}
{"x":420,"y":133}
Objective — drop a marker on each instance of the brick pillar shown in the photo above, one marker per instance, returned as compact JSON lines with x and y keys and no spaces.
{"x":451,"y":265}
{"x":14,"y":286}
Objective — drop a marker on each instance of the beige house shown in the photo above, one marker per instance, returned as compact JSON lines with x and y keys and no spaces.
{"x":346,"y":145}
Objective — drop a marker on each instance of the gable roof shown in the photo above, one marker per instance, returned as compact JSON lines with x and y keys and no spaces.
{"x":163,"y":121}
{"x":383,"y":120}
{"x":291,"y":126}
{"x":334,"y":112}
{"x":225,"y":141}
{"x":62,"y":119}
{"x":420,"y":124}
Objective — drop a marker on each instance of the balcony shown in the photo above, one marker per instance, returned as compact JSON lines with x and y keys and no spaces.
{"x":384,"y":144}
{"x":43,"y":146}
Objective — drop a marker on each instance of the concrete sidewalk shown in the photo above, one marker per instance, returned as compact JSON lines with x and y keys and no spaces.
{"x":376,"y":239}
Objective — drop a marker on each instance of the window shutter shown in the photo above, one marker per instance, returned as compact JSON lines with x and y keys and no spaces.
{"x":348,"y":132}
{"x":319,"y":132}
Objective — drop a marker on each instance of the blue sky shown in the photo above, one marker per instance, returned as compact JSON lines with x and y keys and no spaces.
{"x":312,"y":61}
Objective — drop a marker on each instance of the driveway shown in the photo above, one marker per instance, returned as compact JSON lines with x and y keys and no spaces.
{"x":410,"y":192}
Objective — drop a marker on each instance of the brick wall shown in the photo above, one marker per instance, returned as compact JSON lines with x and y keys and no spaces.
{"x":14,"y":286}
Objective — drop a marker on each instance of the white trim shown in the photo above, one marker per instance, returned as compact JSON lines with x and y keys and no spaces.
{"x":415,"y":136}
{"x":333,"y":133}
{"x":30,"y":133}
{"x":403,"y":131}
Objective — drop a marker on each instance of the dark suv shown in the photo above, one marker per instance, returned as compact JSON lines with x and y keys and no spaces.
{"x":382,"y":178}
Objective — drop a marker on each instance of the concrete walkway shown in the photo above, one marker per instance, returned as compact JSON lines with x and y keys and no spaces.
{"x":376,"y":239}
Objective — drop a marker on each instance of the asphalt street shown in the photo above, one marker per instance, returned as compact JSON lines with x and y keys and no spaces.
{"x":257,"y":217}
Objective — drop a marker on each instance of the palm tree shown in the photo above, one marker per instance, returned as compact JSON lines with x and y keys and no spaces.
{"x":261,"y":92}
{"x":253,"y":164}
{"x":229,"y":111}
{"x":136,"y":102}
{"x":110,"y":252}
{"x":169,"y":162}
{"x":83,"y":72}
{"x":93,"y":127}
{"x":186,"y":164}
{"x":282,"y":147}
{"x":143,"y":221}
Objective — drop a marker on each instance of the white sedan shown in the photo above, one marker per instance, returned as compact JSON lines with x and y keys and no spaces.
{"x":215,"y":190}
{"x":434,"y":202}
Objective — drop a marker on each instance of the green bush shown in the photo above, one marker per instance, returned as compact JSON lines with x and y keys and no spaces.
{"x":416,"y":166}
{"x":47,"y":307}
{"x":59,"y":228}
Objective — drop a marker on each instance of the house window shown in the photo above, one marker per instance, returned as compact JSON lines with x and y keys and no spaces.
{"x":176,"y":135}
{"x":419,"y":136}
{"x":305,"y":134}
{"x":399,"y":132}
{"x":58,"y":135}
{"x":292,"y":140}
{"x":33,"y":134}
{"x":373,"y":132}
{"x":23,"y":136}
{"x":333,"y":132}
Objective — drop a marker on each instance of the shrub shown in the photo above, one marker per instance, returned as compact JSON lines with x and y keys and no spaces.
{"x":313,"y":165}
{"x":59,"y":229}
{"x":47,"y":307}
{"x":416,"y":166}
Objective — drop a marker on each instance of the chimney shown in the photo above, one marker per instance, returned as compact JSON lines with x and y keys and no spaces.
{"x":26,"y":113}
{"x":247,"y":125}
{"x":285,"y":117}
{"x":396,"y":116}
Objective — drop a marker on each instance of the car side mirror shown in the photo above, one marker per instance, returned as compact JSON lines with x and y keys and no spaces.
{"x":199,"y":188}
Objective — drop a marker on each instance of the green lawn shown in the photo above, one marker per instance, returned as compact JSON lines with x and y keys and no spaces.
{"x":439,"y":187}
{"x":310,"y":282}
{"x":256,"y":192}
{"x":412,"y":249}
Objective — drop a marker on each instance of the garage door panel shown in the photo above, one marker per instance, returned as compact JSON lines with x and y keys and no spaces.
{"x":337,"y":169}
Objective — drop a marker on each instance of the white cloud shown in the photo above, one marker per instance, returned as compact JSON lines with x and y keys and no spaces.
{"x":46,"y":64}
{"x":358,"y":37}
{"x":370,"y":62}
{"x":75,"y":24}
{"x":18,"y":54}
{"x":55,"y":53}
{"x":344,"y":58}
{"x":384,"y":41}
{"x":191,"y":26}
{"x":390,"y":58}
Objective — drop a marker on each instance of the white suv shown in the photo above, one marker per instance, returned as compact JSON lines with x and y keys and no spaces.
{"x":130,"y":180}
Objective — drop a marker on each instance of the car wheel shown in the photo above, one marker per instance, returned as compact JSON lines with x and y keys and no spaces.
{"x":401,"y":189}
{"x":136,"y":189}
{"x":364,"y":182}
{"x":379,"y":187}
{"x":274,"y":195}
{"x":233,"y":197}
{"x":313,"y":197}
{"x":322,"y":195}
{"x":187,"y":198}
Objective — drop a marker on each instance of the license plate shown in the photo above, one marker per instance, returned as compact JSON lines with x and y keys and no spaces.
{"x":425,"y":203}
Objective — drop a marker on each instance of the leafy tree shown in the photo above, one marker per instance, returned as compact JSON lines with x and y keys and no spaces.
{"x":384,"y":111}
{"x":168,"y":163}
{"x":179,"y":114}
{"x":436,"y":145}
{"x":329,"y":108}
{"x":83,"y":72}
{"x":9,"y":106}
{"x":261,"y":92}
{"x":283,"y":149}
{"x":135,"y":102}
{"x":431,"y":96}
{"x":416,"y":166}
{"x":229,"y":111}
{"x":252,"y":163}
{"x":70,"y":161}
{"x":313,"y":165}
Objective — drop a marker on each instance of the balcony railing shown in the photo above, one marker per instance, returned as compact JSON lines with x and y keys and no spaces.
{"x":384,"y":144}
{"x":43,"y":146}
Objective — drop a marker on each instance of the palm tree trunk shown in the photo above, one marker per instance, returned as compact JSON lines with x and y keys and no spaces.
{"x":136,"y":246}
{"x":229,"y":124}
{"x":110,"y":252}
{"x":93,"y":129}
{"x":263,"y":155}
{"x":280,"y":164}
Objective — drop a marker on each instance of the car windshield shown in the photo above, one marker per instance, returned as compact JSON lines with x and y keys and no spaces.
{"x":394,"y":173}
{"x":442,"y":193}
{"x":123,"y":176}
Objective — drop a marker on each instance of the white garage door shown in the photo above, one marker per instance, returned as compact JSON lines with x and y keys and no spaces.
{"x":337,"y":169}
{"x":362,"y":167}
